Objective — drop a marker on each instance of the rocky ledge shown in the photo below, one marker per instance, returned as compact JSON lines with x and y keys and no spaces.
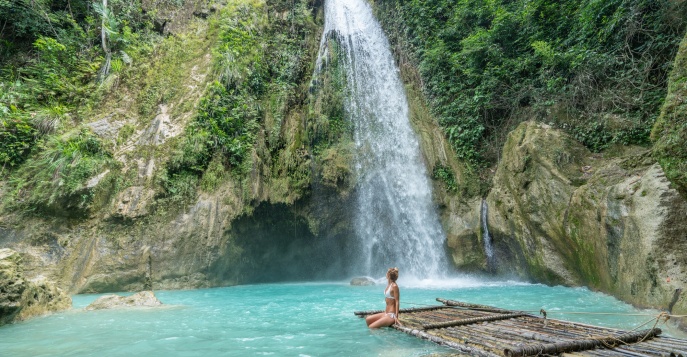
{"x":21,"y":298}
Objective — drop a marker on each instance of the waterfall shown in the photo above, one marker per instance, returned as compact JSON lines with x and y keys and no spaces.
{"x":486,"y":237}
{"x":396,"y":223}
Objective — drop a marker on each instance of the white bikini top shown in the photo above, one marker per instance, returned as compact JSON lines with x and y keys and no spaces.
{"x":387,"y":293}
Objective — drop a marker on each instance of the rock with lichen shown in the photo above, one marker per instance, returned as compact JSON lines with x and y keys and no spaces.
{"x":560,"y":214}
{"x":21,"y":298}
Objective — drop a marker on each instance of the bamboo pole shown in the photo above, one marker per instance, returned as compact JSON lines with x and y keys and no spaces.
{"x":579,"y":345}
{"x":407,"y":310}
{"x":472,"y":306}
{"x":674,"y":349}
{"x":463,"y":348}
{"x":470,"y":321}
{"x":485,"y":342}
{"x":644,"y":349}
{"x":524,"y":334}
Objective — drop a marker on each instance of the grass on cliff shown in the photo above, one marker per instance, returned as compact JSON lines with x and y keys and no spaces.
{"x":55,"y":180}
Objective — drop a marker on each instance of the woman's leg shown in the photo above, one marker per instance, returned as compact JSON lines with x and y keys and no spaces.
{"x":383,"y":321}
{"x":372,"y":318}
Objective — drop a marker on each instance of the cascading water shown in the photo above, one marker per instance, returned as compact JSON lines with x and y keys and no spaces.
{"x":486,"y":237}
{"x":395,"y":220}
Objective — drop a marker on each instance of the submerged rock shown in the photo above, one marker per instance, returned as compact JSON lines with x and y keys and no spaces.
{"x":21,"y":298}
{"x":112,"y":301}
{"x":362,"y":281}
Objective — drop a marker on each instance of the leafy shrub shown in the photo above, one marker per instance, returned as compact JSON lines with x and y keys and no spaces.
{"x":59,"y":172}
{"x":445,"y":175}
{"x":17,"y":137}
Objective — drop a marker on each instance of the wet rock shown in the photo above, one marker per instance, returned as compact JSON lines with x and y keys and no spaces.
{"x":161,"y":129}
{"x":95,"y":180}
{"x":362,"y":281}
{"x":41,"y":297}
{"x":616,"y":226}
{"x":140,"y":299}
{"x":12,"y":285}
{"x":21,"y":298}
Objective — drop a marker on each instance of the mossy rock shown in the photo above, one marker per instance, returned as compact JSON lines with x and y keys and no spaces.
{"x":670,"y":130}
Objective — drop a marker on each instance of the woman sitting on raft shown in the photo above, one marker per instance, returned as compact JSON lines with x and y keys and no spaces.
{"x":392,"y":298}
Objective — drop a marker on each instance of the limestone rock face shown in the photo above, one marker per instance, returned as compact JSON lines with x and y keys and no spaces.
{"x":133,"y":202}
{"x":461,"y":222}
{"x":42,"y":296}
{"x":12,"y":285}
{"x":21,"y":298}
{"x":140,"y":299}
{"x":562,"y":215}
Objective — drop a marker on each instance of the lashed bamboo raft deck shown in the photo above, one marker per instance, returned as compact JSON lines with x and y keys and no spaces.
{"x":487,"y":331}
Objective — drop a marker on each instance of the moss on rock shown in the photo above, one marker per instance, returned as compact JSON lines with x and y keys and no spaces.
{"x":560,"y":214}
{"x":22,"y":298}
{"x":670,"y":130}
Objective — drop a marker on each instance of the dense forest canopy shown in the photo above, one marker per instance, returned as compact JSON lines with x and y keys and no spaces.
{"x":595,"y":68}
{"x":61,"y":62}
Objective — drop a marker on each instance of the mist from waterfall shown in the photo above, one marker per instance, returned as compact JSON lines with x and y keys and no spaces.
{"x":486,"y":237}
{"x":396,"y":223}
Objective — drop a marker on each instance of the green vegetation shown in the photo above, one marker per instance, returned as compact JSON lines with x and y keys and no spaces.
{"x":55,"y":179}
{"x":445,"y":175}
{"x":52,"y":55}
{"x":328,"y":124}
{"x":17,"y":137}
{"x":595,"y":68}
{"x":261,"y":62}
{"x":670,"y":130}
{"x":55,"y":73}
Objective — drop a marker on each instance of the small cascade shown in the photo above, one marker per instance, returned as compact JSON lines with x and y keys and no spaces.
{"x":486,"y":237}
{"x":395,"y":221}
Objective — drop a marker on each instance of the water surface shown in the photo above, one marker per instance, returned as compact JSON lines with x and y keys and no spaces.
{"x":304,"y":319}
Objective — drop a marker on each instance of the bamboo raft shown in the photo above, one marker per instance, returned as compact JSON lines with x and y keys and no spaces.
{"x":487,"y":331}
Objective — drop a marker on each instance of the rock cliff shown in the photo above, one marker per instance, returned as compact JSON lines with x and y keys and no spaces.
{"x":613,"y":222}
{"x":22,"y":298}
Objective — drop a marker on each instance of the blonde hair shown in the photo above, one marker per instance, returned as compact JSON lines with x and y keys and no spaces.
{"x":392,"y":273}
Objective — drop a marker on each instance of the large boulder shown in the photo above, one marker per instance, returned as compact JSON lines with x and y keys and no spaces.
{"x":112,"y":301}
{"x":560,"y":214}
{"x":21,"y":298}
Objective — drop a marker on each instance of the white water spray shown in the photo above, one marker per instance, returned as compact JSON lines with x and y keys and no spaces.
{"x":395,"y":220}
{"x":486,"y":237}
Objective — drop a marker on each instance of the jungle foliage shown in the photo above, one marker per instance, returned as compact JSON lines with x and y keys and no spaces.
{"x":261,"y":59}
{"x":597,"y":69}
{"x":58,"y":173}
{"x":52,"y":74}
